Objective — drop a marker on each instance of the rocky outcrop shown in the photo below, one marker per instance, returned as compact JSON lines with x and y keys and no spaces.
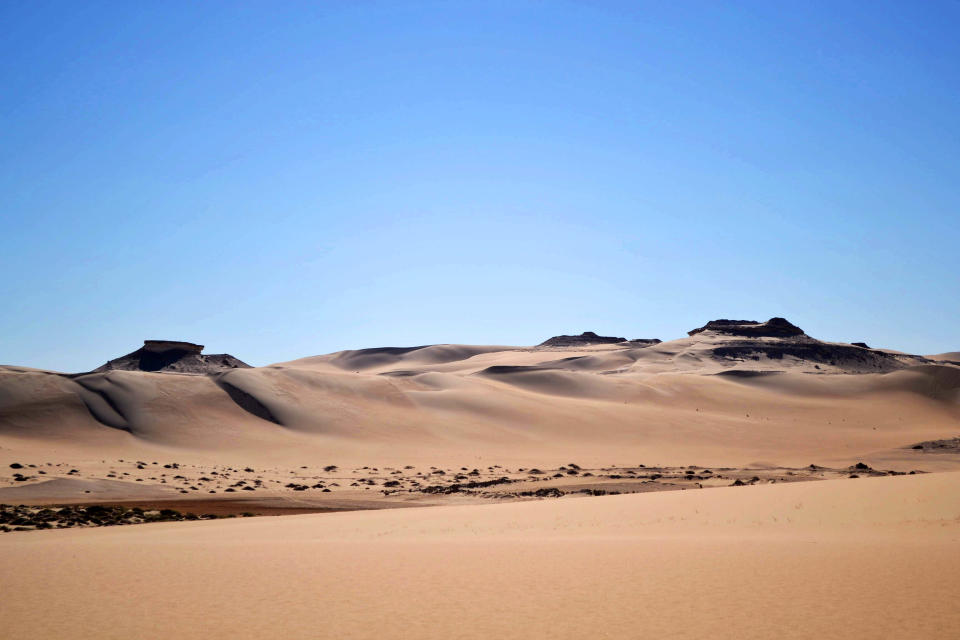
{"x":585,"y":338}
{"x":170,"y":356}
{"x":840,"y":357}
{"x":163,"y":346}
{"x":772,"y":328}
{"x":777,"y":339}
{"x":949,"y":445}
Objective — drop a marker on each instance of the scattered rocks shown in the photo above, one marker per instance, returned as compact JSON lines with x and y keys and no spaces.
{"x":551,"y":492}
{"x":949,"y":445}
{"x":26,"y":518}
{"x":466,"y":486}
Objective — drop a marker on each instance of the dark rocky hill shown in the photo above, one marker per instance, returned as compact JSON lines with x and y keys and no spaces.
{"x":585,"y":338}
{"x":170,"y":356}
{"x":777,"y":338}
{"x":772,"y":328}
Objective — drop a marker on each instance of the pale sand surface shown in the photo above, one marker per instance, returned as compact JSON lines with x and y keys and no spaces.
{"x":953,"y":356}
{"x":871,"y":556}
{"x":875,"y":557}
{"x":466,"y":405}
{"x":598,"y":406}
{"x":525,"y":418}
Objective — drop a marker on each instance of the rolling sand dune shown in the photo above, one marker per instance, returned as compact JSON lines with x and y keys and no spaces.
{"x":952,"y":356}
{"x":783,"y":400}
{"x":522,"y":447}
{"x":873,"y":557}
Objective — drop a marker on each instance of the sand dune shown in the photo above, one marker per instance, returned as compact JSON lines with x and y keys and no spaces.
{"x":512,"y":440}
{"x":383,"y":358}
{"x":953,"y":356}
{"x":876,"y":556}
{"x":783,"y":400}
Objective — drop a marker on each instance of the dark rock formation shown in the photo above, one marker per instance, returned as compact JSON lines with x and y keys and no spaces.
{"x":949,"y":445}
{"x":844,"y":357}
{"x":648,"y":342}
{"x":744,"y":340}
{"x":862,"y":345}
{"x":164,"y":346}
{"x":585,"y":338}
{"x":772,"y":328}
{"x":174,"y":357}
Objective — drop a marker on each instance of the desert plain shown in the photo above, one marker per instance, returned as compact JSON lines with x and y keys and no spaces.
{"x":745,"y":481}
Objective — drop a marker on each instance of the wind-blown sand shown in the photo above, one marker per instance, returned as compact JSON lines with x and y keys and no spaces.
{"x":454,"y":404}
{"x":873,"y":557}
{"x":517,"y":446}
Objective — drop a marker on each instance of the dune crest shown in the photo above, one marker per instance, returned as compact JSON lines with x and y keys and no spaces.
{"x":780,"y":395}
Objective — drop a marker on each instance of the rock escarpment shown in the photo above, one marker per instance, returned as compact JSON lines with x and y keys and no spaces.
{"x":585,"y":338}
{"x":170,"y":356}
{"x":772,"y":328}
{"x":778,"y":339}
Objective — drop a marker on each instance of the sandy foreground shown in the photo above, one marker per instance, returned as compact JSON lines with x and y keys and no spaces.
{"x":874,"y":557}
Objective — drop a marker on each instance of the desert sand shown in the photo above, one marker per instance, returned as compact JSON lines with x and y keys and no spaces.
{"x":744,"y":481}
{"x":877,"y":557}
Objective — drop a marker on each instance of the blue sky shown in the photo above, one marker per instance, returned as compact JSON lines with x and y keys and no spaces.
{"x":278,"y":180}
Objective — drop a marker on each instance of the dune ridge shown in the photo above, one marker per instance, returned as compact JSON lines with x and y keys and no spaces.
{"x":770,"y":485}
{"x":786,"y":398}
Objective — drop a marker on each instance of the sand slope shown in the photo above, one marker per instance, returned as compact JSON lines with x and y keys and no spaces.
{"x":866,"y":556}
{"x":873,"y":557}
{"x":661,"y":404}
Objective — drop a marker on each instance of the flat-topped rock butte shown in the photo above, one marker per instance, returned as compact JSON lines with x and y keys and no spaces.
{"x":772,"y":328}
{"x":172,"y":356}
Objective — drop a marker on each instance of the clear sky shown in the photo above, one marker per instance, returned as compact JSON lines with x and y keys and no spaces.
{"x":280,"y":179}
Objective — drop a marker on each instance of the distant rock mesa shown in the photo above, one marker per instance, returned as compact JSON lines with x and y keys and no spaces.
{"x":172,"y":356}
{"x":772,"y":328}
{"x":587,"y":337}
